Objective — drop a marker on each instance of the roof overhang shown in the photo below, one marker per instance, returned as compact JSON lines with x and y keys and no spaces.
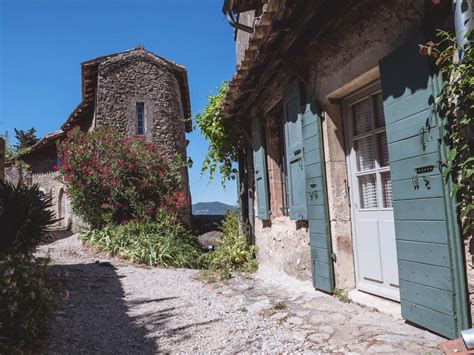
{"x":237,"y":6}
{"x":281,"y":34}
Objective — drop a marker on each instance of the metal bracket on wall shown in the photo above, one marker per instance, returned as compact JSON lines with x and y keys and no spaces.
{"x":423,"y":131}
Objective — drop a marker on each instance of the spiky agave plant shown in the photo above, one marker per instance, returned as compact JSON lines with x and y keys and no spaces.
{"x":24,"y":218}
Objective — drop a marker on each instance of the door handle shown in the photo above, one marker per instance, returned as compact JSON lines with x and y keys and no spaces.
{"x":297,"y":151}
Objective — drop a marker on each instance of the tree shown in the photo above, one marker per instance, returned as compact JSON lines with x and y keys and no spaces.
{"x":10,"y":150}
{"x":26,"y":138}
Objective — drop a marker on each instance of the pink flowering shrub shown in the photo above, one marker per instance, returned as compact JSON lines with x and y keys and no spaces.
{"x":113,"y":180}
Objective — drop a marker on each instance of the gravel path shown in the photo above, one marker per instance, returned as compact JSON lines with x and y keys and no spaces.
{"x":112,"y":307}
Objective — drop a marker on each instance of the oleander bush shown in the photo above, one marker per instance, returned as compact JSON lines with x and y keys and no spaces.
{"x":232,"y":251}
{"x":112,"y":179}
{"x":163,"y":242}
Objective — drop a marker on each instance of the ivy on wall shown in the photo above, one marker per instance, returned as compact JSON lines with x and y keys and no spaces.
{"x":456,"y":104}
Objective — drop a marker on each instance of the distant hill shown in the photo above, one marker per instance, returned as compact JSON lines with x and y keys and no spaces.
{"x":212,"y":208}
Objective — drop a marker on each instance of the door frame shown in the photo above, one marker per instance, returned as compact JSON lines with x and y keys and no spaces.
{"x":356,"y":96}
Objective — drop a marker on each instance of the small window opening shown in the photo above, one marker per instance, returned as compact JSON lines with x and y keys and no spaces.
{"x":140,"y":118}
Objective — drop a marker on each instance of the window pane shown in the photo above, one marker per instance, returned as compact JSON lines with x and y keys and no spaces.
{"x":140,"y":119}
{"x":361,"y":115}
{"x":378,"y":110}
{"x":365,"y":153}
{"x":387,"y":190}
{"x":368,"y":191}
{"x":383,"y":148}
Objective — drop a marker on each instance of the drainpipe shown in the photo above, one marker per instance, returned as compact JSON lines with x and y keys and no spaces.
{"x":236,"y":25}
{"x":463,"y":19}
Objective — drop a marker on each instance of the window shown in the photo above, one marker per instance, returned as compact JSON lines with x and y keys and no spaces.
{"x":371,"y":151}
{"x":140,"y":118}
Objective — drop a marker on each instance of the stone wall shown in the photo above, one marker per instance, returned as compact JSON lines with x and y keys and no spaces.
{"x":48,"y":183}
{"x":41,"y":169}
{"x":140,"y":77}
{"x":283,"y":246}
{"x":135,"y":78}
{"x":13,"y":173}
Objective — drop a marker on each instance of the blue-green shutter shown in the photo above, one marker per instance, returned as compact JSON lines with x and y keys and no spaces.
{"x":294,"y":152}
{"x":260,"y":170}
{"x":316,"y":198}
{"x":432,"y":290}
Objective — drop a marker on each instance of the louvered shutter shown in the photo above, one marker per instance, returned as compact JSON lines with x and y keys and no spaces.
{"x":316,"y":197}
{"x":260,"y":170}
{"x":294,"y":152}
{"x":432,"y":290}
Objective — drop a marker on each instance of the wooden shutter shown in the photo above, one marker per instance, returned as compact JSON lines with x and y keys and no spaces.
{"x":316,"y":197}
{"x":294,"y":152}
{"x":260,"y":170}
{"x":432,"y":289}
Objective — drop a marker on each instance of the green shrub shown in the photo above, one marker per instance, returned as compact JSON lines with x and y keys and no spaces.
{"x":164,"y":242}
{"x":24,"y":218}
{"x":26,"y":301}
{"x":26,"y":297}
{"x":232,"y":251}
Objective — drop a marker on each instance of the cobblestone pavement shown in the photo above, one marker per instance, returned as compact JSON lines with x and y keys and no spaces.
{"x":112,"y":307}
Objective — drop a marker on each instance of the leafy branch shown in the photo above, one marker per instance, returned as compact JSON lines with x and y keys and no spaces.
{"x":456,"y":104}
{"x":224,"y":140}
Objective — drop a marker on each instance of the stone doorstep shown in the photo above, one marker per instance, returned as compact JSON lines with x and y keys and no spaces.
{"x":382,"y":305}
{"x":455,"y":346}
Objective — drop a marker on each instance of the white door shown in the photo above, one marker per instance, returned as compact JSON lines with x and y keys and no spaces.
{"x":371,"y":197}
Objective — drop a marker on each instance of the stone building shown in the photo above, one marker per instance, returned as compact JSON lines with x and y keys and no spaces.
{"x":138,"y":93}
{"x":342,"y":183}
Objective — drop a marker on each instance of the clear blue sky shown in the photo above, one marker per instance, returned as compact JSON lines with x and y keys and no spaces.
{"x":43,"y":42}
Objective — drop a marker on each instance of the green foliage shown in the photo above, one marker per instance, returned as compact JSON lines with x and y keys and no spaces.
{"x":11,"y":152}
{"x":342,"y":295}
{"x":26,"y":138}
{"x":164,"y":242}
{"x":26,"y":301}
{"x":24,"y":218}
{"x":224,"y":140}
{"x":280,"y":305}
{"x":456,"y":104}
{"x":25,"y":295}
{"x":112,"y":179}
{"x":232,"y":250}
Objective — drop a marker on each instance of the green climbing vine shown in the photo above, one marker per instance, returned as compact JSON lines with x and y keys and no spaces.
{"x":456,"y":104}
{"x":224,"y":139}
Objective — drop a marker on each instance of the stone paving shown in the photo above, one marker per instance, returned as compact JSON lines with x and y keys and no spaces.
{"x":327,"y":324}
{"x":114,"y":307}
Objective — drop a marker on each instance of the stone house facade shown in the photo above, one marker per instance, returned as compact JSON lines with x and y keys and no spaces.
{"x":138,"y":93}
{"x":341,"y":182}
